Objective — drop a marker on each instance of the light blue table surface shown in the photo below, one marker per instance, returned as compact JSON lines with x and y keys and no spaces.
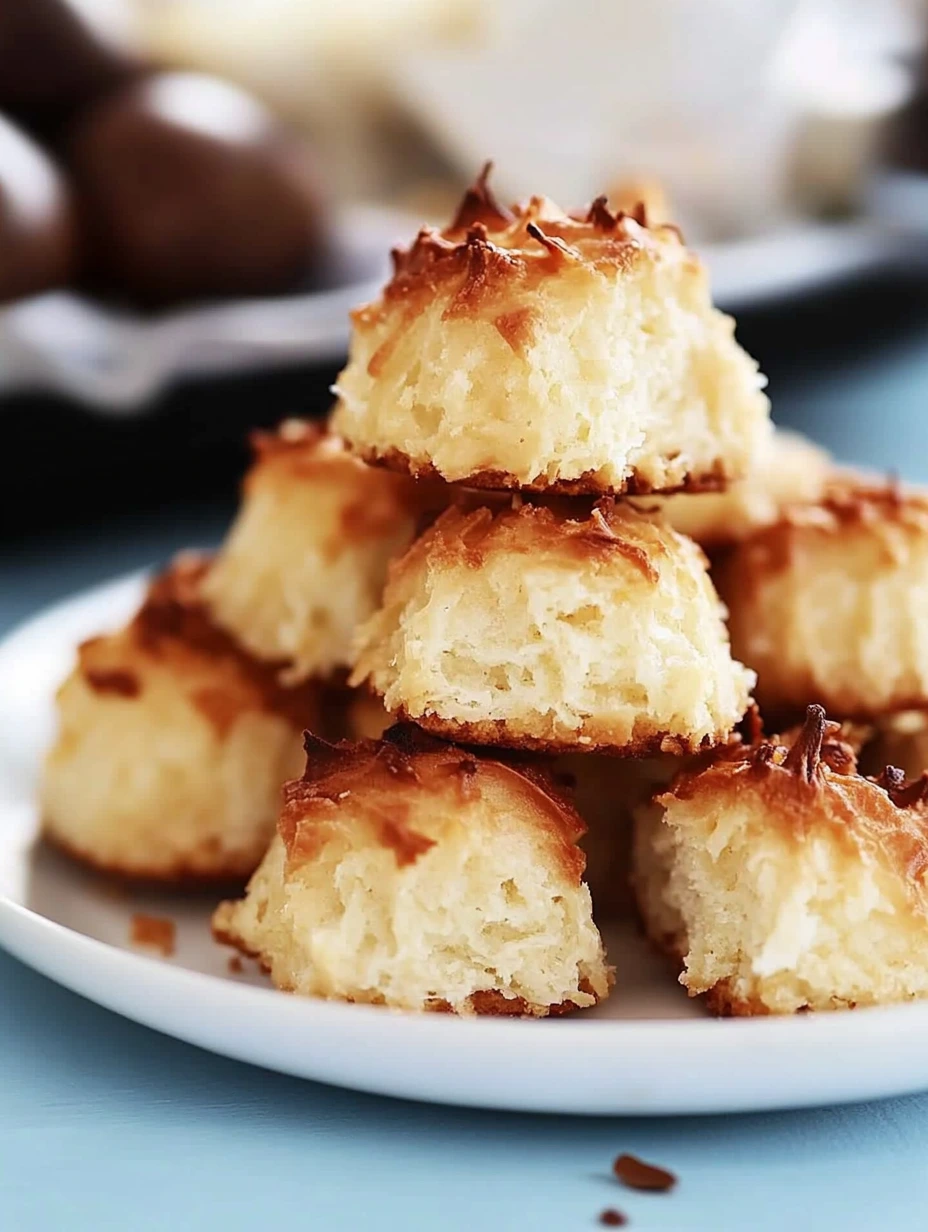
{"x":106,"y":1125}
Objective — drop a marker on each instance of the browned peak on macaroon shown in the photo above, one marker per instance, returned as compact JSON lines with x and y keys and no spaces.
{"x":488,"y":243}
{"x":387,"y":779}
{"x":798,"y":754}
{"x":813,"y":781}
{"x":905,"y":795}
{"x":479,"y":205}
{"x":536,"y":239}
{"x":805,"y":756}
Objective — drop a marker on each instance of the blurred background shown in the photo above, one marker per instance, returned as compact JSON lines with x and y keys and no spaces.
{"x":193,"y":193}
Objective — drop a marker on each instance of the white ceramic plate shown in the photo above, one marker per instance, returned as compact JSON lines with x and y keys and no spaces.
{"x":648,"y":1050}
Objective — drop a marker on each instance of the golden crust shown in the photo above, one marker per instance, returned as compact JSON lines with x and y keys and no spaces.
{"x":459,"y":869}
{"x":598,"y":533}
{"x":814,"y":780}
{"x":848,"y":503}
{"x":851,"y":500}
{"x":715,"y":478}
{"x":499,"y":732}
{"x":488,"y":249}
{"x":407,"y":760}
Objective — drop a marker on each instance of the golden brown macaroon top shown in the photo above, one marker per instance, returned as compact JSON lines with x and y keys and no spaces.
{"x":601,"y":532}
{"x":849,"y":500}
{"x":173,"y":627}
{"x":851,"y":503}
{"x":385,"y":781}
{"x":374,"y":502}
{"x":813,"y":784}
{"x":488,"y":249}
{"x":891,"y":514}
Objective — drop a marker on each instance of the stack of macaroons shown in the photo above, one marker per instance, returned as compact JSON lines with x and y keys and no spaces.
{"x":486,"y":592}
{"x":544,"y":631}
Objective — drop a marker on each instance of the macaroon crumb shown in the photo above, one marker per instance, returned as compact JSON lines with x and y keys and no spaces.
{"x":155,"y":932}
{"x":611,"y":1218}
{"x":637,"y":1174}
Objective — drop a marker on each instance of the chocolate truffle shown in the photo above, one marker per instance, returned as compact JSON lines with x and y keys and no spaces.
{"x":54,"y":61}
{"x":37,"y":235}
{"x":189,"y":188}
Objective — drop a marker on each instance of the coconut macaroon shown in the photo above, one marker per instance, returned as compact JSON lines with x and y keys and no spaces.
{"x":788,"y":470}
{"x":831,"y":603}
{"x":172,"y":746}
{"x":534,"y":349}
{"x":305,"y":562}
{"x":784,"y":880}
{"x":411,"y":873}
{"x":537,"y":628}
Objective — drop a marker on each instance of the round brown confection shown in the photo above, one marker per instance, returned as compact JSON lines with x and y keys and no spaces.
{"x":189,"y":188}
{"x":830,"y":604}
{"x":38,"y":247}
{"x":461,"y":870}
{"x":785,"y":880}
{"x":55,"y":60}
